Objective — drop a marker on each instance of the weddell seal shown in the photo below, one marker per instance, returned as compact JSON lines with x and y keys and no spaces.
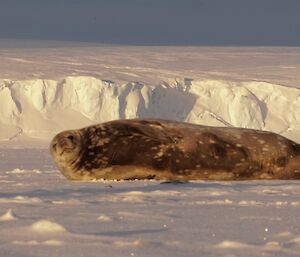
{"x":169,"y":150}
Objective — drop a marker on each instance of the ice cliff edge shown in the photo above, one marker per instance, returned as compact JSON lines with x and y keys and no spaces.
{"x":41,"y":108}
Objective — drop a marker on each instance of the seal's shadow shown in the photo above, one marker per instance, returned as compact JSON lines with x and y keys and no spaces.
{"x":83,"y":190}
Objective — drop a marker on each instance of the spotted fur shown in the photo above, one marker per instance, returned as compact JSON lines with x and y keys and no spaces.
{"x":167,"y":150}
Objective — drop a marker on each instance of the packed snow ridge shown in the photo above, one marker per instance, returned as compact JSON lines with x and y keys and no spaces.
{"x":41,"y":108}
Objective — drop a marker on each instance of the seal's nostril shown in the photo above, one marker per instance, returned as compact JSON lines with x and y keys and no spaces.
{"x":54,"y":147}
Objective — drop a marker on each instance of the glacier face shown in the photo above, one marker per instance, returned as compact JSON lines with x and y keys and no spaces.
{"x":41,"y":108}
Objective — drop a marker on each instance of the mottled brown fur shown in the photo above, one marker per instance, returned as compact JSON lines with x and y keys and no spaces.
{"x":159,"y":149}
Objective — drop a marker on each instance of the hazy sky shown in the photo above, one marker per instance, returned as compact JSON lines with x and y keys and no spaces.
{"x":154,"y":22}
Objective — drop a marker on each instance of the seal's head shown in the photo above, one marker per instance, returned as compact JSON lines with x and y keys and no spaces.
{"x":66,"y":148}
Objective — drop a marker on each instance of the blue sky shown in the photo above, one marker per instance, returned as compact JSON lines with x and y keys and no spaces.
{"x":154,"y":22}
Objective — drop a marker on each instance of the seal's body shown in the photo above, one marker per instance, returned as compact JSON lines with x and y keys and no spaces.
{"x":167,"y":150}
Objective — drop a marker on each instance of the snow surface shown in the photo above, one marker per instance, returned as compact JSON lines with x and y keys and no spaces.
{"x":48,"y":89}
{"x":43,"y":214}
{"x":45,"y":89}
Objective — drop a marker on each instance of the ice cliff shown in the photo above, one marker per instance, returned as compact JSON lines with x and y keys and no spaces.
{"x":41,"y":108}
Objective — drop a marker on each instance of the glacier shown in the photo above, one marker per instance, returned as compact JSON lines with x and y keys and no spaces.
{"x":39,"y":108}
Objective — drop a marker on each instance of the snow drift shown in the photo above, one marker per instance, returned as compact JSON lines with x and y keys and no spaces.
{"x":41,"y":108}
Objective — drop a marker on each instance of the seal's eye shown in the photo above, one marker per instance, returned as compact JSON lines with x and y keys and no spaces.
{"x":71,"y":138}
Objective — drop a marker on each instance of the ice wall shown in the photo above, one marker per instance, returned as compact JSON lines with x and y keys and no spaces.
{"x":41,"y":108}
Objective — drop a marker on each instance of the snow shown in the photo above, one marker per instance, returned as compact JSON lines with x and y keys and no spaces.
{"x":43,"y":214}
{"x":9,"y":215}
{"x":47,"y":89}
{"x":39,"y":109}
{"x":46,"y":226}
{"x":243,"y":87}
